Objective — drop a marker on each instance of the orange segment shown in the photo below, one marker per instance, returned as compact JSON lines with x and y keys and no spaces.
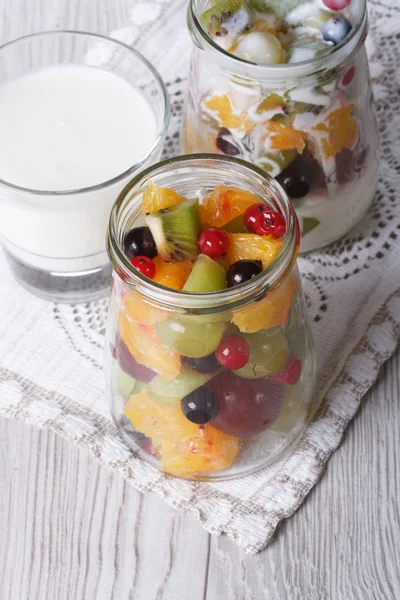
{"x":184,"y":447}
{"x":141,"y":311}
{"x":156,"y":198}
{"x":249,"y":246}
{"x":172,"y":275}
{"x":220,"y":107}
{"x":283,"y":137}
{"x":147,"y":348}
{"x":271,"y":311}
{"x":342,"y":131}
{"x":224,"y":204}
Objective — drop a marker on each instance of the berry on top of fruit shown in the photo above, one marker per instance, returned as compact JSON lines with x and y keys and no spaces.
{"x":336,"y":4}
{"x":233,"y":352}
{"x":242,"y":271}
{"x":213,"y":242}
{"x":262,"y":220}
{"x":144,"y":265}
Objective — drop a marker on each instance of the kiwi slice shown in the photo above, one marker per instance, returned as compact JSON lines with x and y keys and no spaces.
{"x":228,"y":19}
{"x":175,"y":231}
{"x":206,"y":276}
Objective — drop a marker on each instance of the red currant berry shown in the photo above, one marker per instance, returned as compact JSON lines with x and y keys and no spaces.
{"x":213,"y":242}
{"x":270,"y":222}
{"x":336,"y":4}
{"x":290,"y":373}
{"x":348,"y":76}
{"x":144,"y":265}
{"x":251,"y":216}
{"x":233,"y":352}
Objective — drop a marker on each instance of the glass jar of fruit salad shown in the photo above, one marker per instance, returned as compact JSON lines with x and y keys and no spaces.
{"x":209,"y":353}
{"x":285,"y":85}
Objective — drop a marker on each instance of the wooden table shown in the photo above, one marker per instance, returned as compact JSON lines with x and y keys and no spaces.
{"x":70,"y":530}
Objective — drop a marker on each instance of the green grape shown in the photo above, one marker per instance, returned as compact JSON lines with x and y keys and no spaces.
{"x":191,"y":338}
{"x":126,"y":384}
{"x":170,"y":392}
{"x":268,"y":354}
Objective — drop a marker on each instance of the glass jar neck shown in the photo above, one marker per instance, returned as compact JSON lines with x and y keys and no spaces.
{"x":282,"y":74}
{"x":189,"y":176}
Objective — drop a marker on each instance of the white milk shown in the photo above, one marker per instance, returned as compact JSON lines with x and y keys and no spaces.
{"x":63,"y":128}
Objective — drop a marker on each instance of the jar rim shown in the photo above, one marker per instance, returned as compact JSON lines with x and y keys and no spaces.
{"x":212,"y":302}
{"x":295,"y":70}
{"x":160,"y":135}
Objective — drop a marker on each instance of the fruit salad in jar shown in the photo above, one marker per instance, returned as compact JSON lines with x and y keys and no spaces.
{"x":284,"y":84}
{"x":211,"y":365}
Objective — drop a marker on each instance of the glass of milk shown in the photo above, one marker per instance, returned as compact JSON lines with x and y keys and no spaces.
{"x":79,"y":115}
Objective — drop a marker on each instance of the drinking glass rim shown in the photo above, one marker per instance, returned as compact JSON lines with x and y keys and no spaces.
{"x":137,"y":165}
{"x":297,"y":69}
{"x":221,"y":300}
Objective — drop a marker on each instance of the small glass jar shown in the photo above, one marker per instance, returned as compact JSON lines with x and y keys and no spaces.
{"x":311,"y":124}
{"x":158,"y":337}
{"x":54,"y":238}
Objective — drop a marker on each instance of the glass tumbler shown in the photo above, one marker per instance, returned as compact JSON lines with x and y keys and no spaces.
{"x":310,"y":124}
{"x":156,"y":335}
{"x":54,"y":241}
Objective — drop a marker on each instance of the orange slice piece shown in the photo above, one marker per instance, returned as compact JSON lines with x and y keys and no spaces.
{"x":172,"y":275}
{"x":283,"y":137}
{"x":147,"y":348}
{"x":271,"y":311}
{"x":156,"y":198}
{"x":249,"y":246}
{"x":342,"y":131}
{"x":221,"y":108}
{"x":224,"y":204}
{"x":185,"y":448}
{"x":140,"y":311}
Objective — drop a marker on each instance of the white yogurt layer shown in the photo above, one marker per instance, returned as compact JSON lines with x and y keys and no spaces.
{"x":67,"y":127}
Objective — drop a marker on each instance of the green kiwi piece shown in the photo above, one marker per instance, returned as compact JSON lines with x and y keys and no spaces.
{"x":228,"y":19}
{"x":176,"y":230}
{"x":206,"y":276}
{"x":280,"y":8}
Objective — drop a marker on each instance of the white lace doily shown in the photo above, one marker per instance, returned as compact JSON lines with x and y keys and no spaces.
{"x":51,"y":355}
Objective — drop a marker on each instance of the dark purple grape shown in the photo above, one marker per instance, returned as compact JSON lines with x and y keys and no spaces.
{"x":336,"y":29}
{"x":226,"y":144}
{"x":200,"y":406}
{"x":296,"y":179}
{"x":206,"y":364}
{"x":128,"y":363}
{"x":242,"y":271}
{"x":140,"y":242}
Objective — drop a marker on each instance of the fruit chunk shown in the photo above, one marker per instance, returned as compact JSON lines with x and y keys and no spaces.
{"x":283,"y":137}
{"x":144,"y":265}
{"x":221,"y":109}
{"x":227,"y":20}
{"x":271,"y":311}
{"x":213,"y":242}
{"x":242,"y":271}
{"x":206,"y":276}
{"x":139,"y":242}
{"x":183,"y":384}
{"x":189,"y":337}
{"x":140,"y":310}
{"x":341,"y":128}
{"x":269,"y":354}
{"x":127,"y":362}
{"x":290,"y":372}
{"x":248,"y":246}
{"x":205,"y":364}
{"x":260,"y":219}
{"x":336,"y":29}
{"x":200,"y":406}
{"x":172,"y":275}
{"x":147,"y":348}
{"x":224,"y":204}
{"x":246,"y":407}
{"x":260,"y":47}
{"x":185,"y":448}
{"x":126,"y":385}
{"x":233,"y":352}
{"x":176,"y":230}
{"x":157,"y":198}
